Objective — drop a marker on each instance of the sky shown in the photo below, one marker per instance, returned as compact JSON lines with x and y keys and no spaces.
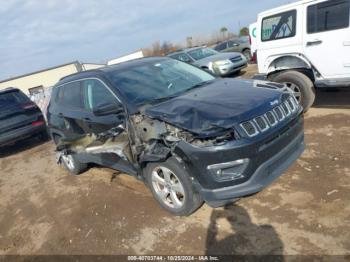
{"x":37,"y":34}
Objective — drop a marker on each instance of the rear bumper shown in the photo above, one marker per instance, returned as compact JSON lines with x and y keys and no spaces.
{"x":262,"y":177}
{"x":20,"y":134}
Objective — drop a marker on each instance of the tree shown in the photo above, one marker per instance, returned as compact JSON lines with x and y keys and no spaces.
{"x":223,"y":30}
{"x":244,"y":31}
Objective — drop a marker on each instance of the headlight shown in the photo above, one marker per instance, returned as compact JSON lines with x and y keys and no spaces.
{"x":222,"y":62}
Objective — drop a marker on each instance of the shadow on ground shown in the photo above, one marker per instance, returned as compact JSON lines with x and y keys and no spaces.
{"x":244,"y":237}
{"x":338,"y":98}
{"x":21,"y":146}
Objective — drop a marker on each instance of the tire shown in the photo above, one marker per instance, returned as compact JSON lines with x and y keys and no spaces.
{"x":302,"y":86}
{"x":171,"y":186}
{"x":44,"y":136}
{"x":72,"y":165}
{"x":70,"y":162}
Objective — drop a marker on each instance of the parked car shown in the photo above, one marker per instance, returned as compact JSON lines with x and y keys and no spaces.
{"x":305,"y":44}
{"x":221,"y":64}
{"x":241,"y":45}
{"x":191,"y":137}
{"x":20,"y":118}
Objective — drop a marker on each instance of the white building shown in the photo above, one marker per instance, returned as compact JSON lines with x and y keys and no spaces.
{"x":132,"y":56}
{"x":37,"y":82}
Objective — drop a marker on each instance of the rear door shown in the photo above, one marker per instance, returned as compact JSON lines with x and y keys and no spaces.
{"x":327,"y":37}
{"x":70,"y":111}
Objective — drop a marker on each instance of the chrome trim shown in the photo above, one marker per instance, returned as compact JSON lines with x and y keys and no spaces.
{"x":288,"y":109}
{"x":255,"y":128}
{"x":274,"y":117}
{"x":92,"y":78}
{"x":282,"y":112}
{"x":256,"y":122}
{"x":228,"y":164}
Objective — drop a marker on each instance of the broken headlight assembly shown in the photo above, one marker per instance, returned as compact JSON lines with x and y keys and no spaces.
{"x":175,"y":134}
{"x":229,"y":171}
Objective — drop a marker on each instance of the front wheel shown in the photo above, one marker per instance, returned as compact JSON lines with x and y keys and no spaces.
{"x":300,"y":84}
{"x":171,"y":186}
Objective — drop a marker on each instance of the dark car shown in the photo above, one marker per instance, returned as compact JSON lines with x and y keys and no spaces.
{"x":20,"y":118}
{"x":189,"y":136}
{"x":241,"y":45}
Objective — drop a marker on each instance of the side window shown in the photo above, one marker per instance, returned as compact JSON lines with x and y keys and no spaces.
{"x":221,"y":47}
{"x":95,"y":94}
{"x":279,"y":26}
{"x":182,"y":57}
{"x":329,"y":15}
{"x":233,"y":43}
{"x":70,"y":95}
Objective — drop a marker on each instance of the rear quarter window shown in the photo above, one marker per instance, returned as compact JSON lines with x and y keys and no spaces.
{"x":70,"y":95}
{"x":279,"y":26}
{"x":329,"y":15}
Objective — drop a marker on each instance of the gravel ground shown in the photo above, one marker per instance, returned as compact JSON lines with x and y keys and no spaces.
{"x":306,"y":211}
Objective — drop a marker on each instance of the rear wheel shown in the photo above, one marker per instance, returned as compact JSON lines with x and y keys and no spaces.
{"x":171,"y":187}
{"x":70,"y":162}
{"x":300,"y":84}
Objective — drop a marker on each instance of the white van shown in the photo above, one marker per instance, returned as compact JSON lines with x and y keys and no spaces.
{"x":305,"y":44}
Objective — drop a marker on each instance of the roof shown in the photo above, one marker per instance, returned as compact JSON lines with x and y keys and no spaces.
{"x":9,"y":89}
{"x":40,"y":71}
{"x":283,"y":7}
{"x":101,"y":71}
{"x":185,"y":50}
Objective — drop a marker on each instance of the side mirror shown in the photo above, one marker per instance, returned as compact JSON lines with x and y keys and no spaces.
{"x":108,"y":109}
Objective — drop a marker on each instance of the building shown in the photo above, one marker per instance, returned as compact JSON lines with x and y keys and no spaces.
{"x":132,"y":56}
{"x":37,"y":82}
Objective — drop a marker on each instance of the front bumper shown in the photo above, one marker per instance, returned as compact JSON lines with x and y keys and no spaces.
{"x":268,"y":159}
{"x":262,"y":177}
{"x":230,"y":69}
{"x":20,"y":133}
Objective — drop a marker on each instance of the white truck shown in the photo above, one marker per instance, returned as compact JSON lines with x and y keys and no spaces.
{"x":305,"y":45}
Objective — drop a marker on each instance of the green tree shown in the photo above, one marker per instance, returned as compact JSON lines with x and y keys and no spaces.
{"x":244,"y":31}
{"x":223,"y":30}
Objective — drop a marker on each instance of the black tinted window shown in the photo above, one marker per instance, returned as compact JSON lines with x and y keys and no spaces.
{"x":330,"y":15}
{"x":279,"y":26}
{"x":220,"y":47}
{"x":182,"y":57}
{"x":12,"y":98}
{"x":70,"y":95}
{"x":95,"y":94}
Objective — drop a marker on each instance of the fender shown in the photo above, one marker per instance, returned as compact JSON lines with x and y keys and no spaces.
{"x":288,"y":61}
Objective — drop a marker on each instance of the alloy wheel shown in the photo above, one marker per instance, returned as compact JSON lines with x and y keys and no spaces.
{"x":295,"y":89}
{"x":168,"y":187}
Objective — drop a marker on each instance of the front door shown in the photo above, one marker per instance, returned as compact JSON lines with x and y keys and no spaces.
{"x":327,"y":37}
{"x":110,"y":146}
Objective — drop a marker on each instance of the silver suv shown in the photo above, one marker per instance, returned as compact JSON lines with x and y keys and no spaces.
{"x":221,"y":64}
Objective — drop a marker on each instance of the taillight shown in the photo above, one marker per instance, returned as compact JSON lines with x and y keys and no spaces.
{"x":38,"y":123}
{"x":28,"y":106}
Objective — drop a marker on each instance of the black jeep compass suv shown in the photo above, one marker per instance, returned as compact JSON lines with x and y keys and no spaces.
{"x":190,"y":136}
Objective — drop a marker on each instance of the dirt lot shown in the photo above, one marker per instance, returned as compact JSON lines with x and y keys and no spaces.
{"x":306,"y":211}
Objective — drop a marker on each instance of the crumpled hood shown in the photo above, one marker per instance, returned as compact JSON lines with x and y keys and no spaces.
{"x":221,"y":56}
{"x":216,"y":107}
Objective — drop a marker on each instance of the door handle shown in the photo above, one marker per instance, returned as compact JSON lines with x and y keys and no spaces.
{"x":87,"y":119}
{"x":60,"y":114}
{"x":314,"y":42}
